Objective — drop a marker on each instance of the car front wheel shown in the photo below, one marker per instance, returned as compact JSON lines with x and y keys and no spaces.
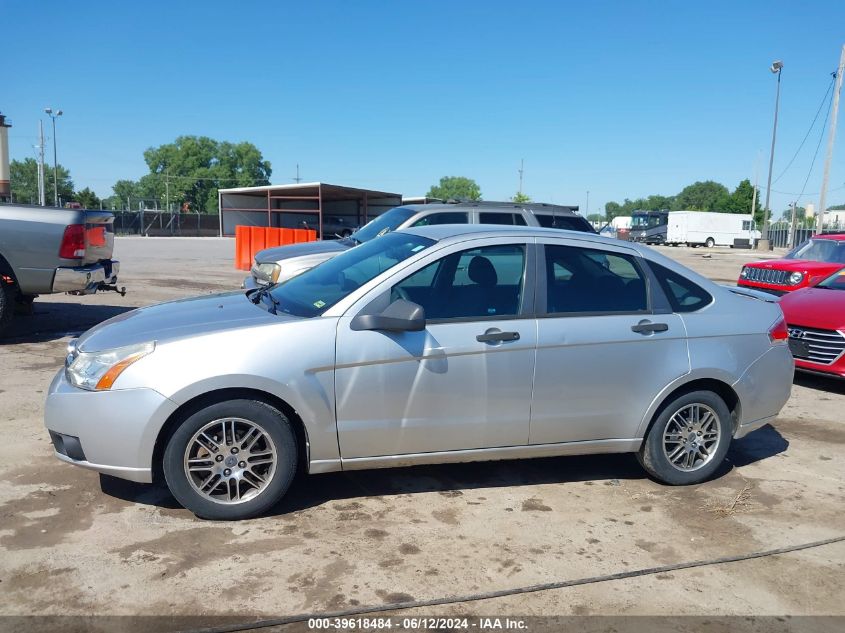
{"x":688,"y":440}
{"x":231,"y":460}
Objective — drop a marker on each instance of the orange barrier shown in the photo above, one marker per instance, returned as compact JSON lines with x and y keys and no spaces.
{"x":243,"y":261}
{"x":251,"y":239}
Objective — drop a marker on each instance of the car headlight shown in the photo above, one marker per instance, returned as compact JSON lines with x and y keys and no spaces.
{"x":97,"y":371}
{"x":795,"y":278}
{"x":268,"y":271}
{"x":744,"y":272}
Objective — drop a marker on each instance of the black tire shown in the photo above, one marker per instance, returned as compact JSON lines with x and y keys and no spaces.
{"x":655,"y":459}
{"x":281,"y":437}
{"x":7,"y":304}
{"x":710,"y":242}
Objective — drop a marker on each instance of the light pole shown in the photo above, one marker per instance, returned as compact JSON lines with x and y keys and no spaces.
{"x":776,"y":68}
{"x":53,"y":116}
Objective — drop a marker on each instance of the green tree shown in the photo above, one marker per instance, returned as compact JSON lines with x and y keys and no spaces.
{"x":24,"y":181}
{"x":87,"y":198}
{"x":612,"y":210}
{"x":521,"y":198}
{"x":701,"y":196}
{"x":596,"y":217}
{"x":740,"y":200}
{"x":455,"y":188}
{"x":193,"y":168}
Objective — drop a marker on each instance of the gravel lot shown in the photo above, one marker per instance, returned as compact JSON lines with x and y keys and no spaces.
{"x":74,"y":543}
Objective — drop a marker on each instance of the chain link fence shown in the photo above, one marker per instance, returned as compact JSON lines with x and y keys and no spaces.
{"x":152,"y":223}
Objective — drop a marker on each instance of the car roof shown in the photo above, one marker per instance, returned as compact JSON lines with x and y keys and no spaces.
{"x":457,"y":232}
{"x":829,"y":236}
{"x":534,"y":207}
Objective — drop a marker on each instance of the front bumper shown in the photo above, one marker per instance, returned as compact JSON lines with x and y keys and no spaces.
{"x":772,"y":289}
{"x":86,"y":279}
{"x":116,"y":430}
{"x":836,"y":370}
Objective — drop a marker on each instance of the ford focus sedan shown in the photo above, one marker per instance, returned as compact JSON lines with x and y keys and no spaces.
{"x":426,"y":345}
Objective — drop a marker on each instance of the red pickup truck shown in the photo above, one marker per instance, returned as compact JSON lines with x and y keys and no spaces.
{"x":805,"y":265}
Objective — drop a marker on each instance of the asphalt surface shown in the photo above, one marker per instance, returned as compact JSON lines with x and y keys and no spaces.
{"x":75,"y":543}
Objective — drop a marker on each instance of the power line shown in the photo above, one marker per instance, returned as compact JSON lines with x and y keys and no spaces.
{"x":816,"y":153}
{"x":812,"y":125}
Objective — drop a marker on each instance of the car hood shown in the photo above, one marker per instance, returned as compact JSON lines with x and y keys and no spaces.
{"x":178,"y":319}
{"x":815,"y":307}
{"x":280,"y":253}
{"x":803,"y":265}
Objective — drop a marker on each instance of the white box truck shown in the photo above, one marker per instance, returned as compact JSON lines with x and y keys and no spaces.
{"x":709,"y":228}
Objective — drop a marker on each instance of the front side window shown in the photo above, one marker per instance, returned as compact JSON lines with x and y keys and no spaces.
{"x":585,"y":280}
{"x":318,"y":289}
{"x":683,"y":294}
{"x":482,"y":282}
{"x":449,"y":217}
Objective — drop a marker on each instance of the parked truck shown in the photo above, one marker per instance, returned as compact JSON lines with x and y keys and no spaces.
{"x":709,"y":228}
{"x":46,"y":250}
{"x":693,"y":228}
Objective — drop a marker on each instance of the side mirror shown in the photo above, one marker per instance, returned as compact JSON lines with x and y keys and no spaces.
{"x":399,"y":316}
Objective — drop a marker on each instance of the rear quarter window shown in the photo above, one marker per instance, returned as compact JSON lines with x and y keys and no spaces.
{"x":683,"y":294}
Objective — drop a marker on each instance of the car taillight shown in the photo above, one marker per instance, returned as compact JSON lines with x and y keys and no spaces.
{"x":778,"y":333}
{"x":73,"y":242}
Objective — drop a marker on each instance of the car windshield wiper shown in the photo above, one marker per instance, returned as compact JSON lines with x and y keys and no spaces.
{"x":264,"y":292}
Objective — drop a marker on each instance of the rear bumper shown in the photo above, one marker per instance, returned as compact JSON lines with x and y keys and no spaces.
{"x":85,"y":279}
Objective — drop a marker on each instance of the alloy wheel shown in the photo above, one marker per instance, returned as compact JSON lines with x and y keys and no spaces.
{"x":230,"y":460}
{"x":691,"y":437}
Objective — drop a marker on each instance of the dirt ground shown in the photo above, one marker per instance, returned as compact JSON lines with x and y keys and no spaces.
{"x":73,"y":543}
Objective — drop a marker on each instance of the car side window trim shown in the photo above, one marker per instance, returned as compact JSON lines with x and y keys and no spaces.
{"x":653,"y":307}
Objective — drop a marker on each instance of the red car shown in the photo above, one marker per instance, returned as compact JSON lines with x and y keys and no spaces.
{"x":805,"y":265}
{"x":815,"y":319}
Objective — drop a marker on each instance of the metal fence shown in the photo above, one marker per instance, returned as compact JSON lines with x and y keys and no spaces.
{"x":154,"y":223}
{"x":782,"y":235}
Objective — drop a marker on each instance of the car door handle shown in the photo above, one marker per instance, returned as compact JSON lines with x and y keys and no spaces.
{"x":497,"y":337}
{"x":647,"y":327}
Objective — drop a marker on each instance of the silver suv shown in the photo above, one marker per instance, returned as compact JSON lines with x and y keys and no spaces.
{"x":277,"y":264}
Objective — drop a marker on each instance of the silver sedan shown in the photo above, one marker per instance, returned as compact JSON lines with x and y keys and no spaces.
{"x":429,"y":345}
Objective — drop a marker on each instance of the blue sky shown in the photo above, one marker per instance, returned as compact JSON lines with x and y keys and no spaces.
{"x":623,"y":99}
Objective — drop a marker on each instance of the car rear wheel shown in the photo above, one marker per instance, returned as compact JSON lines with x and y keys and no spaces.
{"x":689,"y":439}
{"x":231,"y":460}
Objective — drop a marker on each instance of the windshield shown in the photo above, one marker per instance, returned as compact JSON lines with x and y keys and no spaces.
{"x":835,"y":282}
{"x":316,"y":290}
{"x":643,"y":221}
{"x":820,"y":250}
{"x":384,"y":223}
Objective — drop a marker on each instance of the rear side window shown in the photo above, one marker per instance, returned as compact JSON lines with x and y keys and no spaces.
{"x":566,"y":222}
{"x":509,"y":219}
{"x":683,"y":294}
{"x":589,"y":281}
{"x":450,"y":217}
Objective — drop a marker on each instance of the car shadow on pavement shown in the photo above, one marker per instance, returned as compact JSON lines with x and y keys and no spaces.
{"x":51,"y":321}
{"x":820,"y":383}
{"x":451,"y":479}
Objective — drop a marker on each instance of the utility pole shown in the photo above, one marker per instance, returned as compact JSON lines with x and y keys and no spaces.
{"x":521,"y":165}
{"x":53,"y":116}
{"x":297,"y":179}
{"x":776,"y":68}
{"x":840,"y":70}
{"x":587,"y":214}
{"x":167,"y":189}
{"x":42,"y":197}
{"x":754,"y":198}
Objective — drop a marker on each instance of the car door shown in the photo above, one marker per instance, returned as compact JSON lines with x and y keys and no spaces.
{"x":464,"y":382}
{"x":607,"y":343}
